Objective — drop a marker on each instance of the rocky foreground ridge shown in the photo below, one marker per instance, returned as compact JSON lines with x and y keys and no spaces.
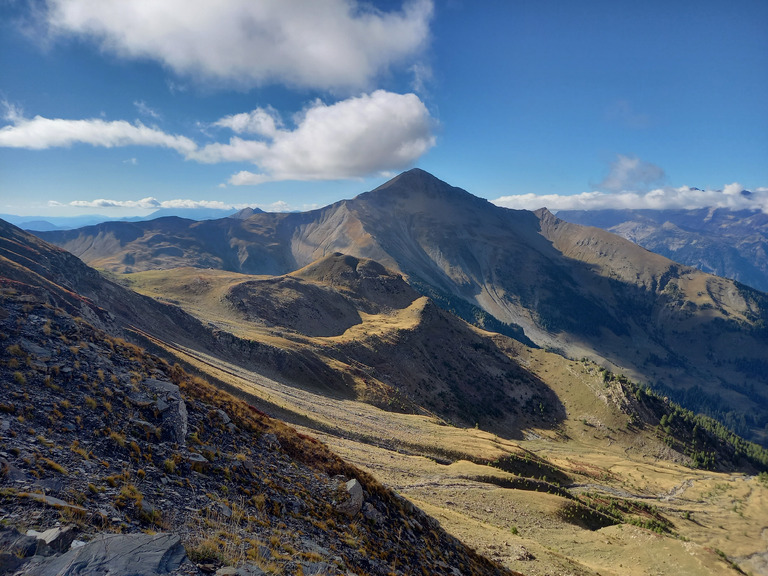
{"x":107,"y":447}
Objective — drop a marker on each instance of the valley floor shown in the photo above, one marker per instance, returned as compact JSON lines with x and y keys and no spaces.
{"x":701,"y":522}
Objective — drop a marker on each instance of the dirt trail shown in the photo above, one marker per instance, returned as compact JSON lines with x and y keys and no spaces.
{"x":677,"y":491}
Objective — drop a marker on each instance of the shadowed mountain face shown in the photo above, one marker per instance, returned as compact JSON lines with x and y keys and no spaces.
{"x":728,"y":243}
{"x":68,"y":283}
{"x":579,"y":290}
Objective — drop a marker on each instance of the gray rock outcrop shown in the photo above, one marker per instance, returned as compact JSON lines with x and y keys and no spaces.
{"x":56,"y":539}
{"x":114,"y":555}
{"x":352,"y":505}
{"x":172,"y":408}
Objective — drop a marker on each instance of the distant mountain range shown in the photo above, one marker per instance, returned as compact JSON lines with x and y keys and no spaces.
{"x":47,"y":223}
{"x":728,"y":243}
{"x":581,"y":291}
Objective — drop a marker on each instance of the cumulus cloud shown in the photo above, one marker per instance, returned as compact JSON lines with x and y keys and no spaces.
{"x":327,"y":45}
{"x":684,"y":197}
{"x":40,"y":133}
{"x":631,"y":173}
{"x":352,"y":138}
{"x":262,"y":122}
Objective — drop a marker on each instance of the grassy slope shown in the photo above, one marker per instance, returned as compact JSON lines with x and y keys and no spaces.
{"x":79,"y":420}
{"x":373,"y":334}
{"x":444,"y":468}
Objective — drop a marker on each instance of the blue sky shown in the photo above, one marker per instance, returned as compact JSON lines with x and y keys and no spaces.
{"x":119,"y":108}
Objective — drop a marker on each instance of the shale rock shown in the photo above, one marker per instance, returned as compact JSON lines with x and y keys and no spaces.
{"x":115,"y":555}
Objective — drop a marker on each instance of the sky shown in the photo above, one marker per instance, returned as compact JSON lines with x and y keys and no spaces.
{"x":119,"y":108}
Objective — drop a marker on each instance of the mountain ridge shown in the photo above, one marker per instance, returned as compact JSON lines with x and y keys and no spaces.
{"x":728,"y":243}
{"x":531,"y":275}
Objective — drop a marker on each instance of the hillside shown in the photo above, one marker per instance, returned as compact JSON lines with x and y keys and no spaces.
{"x":100,"y":435}
{"x":618,"y":478}
{"x":579,"y":290}
{"x":728,"y":243}
{"x":371,"y":336}
{"x":82,"y":291}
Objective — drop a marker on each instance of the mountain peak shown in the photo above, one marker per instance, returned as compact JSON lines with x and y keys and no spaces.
{"x":421,"y":187}
{"x":246,"y":213}
{"x":415,"y":179}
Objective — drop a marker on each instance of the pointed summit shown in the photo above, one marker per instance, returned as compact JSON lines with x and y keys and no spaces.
{"x":418,"y":187}
{"x":416,"y":179}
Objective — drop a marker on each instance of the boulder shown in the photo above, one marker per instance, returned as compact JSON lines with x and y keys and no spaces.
{"x":116,"y":555}
{"x":370,"y":512}
{"x":353,"y":503}
{"x":172,"y":408}
{"x":16,"y":543}
{"x":56,"y":539}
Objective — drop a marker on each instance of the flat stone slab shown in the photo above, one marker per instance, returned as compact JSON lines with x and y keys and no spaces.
{"x":117,"y":555}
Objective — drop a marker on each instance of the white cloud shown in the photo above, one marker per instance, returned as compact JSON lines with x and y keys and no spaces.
{"x":13,"y":113}
{"x":144,"y":203}
{"x":151,"y":203}
{"x":627,"y":187}
{"x":350,"y":139}
{"x":263,"y":122}
{"x":631,"y":173}
{"x":353,"y":138}
{"x":325,"y":44}
{"x":40,"y":133}
{"x":215,"y":204}
{"x":145,"y":110}
{"x":246,"y":178}
{"x":683,"y":197}
{"x":278,"y":206}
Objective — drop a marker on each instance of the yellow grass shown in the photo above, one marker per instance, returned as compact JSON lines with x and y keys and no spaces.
{"x":431,"y":463}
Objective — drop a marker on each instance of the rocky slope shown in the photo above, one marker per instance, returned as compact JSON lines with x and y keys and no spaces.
{"x":80,"y":290}
{"x":97,"y":434}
